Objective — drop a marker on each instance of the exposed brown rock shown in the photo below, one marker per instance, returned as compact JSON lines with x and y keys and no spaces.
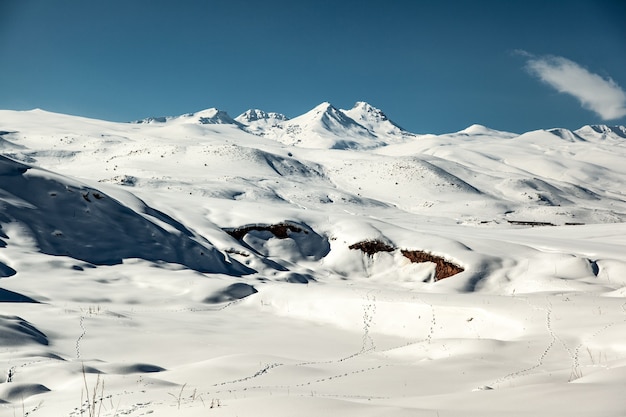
{"x":529,"y":223}
{"x":280,"y":230}
{"x":372,"y":246}
{"x":443,"y":269}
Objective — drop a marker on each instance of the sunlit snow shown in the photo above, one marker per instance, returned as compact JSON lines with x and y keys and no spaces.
{"x":201,"y":265}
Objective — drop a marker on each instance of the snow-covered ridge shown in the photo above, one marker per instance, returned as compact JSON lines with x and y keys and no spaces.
{"x":324,"y":126}
{"x":361,"y":127}
{"x":602,"y":132}
{"x":254,"y":115}
{"x":101,"y":230}
{"x":205,"y":117}
{"x":258,"y":122}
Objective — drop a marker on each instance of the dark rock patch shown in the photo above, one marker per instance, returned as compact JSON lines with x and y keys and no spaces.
{"x":372,"y":246}
{"x":443,"y":268}
{"x":529,"y":223}
{"x":280,"y":230}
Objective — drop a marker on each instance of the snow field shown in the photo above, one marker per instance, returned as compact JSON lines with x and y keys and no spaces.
{"x":126,"y":291}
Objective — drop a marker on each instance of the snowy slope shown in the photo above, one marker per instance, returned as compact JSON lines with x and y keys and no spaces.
{"x":63,"y":217}
{"x":203,"y":265}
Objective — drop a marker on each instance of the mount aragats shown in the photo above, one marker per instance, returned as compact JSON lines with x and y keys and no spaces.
{"x":329,"y":264}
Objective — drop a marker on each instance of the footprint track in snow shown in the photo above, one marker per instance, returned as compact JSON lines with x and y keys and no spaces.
{"x":595,"y":334}
{"x":82,"y":335}
{"x":369,"y":311}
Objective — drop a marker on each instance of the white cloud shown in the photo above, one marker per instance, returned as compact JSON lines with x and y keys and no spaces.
{"x":602,"y":96}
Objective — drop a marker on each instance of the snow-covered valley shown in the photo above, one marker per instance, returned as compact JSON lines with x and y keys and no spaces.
{"x":264,"y":266}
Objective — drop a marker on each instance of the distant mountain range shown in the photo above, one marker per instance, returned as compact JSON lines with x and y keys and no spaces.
{"x":361,"y":127}
{"x":325,"y":126}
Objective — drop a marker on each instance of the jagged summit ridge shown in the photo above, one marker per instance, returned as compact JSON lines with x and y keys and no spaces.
{"x":332,"y":119}
{"x":364,"y":126}
{"x":365,"y":112}
{"x":254,"y":115}
{"x":374,"y":120}
{"x":208,"y":116}
{"x":259,"y":122}
{"x":361,"y":127}
{"x":325,"y":126}
{"x":213,"y":116}
{"x":602,"y":132}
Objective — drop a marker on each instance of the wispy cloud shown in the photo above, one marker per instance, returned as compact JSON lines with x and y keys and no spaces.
{"x":600,"y":95}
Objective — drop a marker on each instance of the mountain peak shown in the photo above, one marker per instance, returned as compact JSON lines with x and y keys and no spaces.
{"x":330,"y":116}
{"x":208,"y":116}
{"x":365,"y":111}
{"x":253,"y":115}
{"x":365,"y":106}
{"x":212,"y":116}
{"x":602,"y":131}
{"x":377,"y":122}
{"x":324,"y":126}
{"x":323,"y":107}
{"x":477,"y":130}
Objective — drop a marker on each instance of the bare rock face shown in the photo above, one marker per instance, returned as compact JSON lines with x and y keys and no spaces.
{"x":443,"y":269}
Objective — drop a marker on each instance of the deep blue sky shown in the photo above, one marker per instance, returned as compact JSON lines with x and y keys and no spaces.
{"x":432,"y":66}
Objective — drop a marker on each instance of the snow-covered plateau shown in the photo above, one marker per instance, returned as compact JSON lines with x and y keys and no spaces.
{"x":333,"y":264}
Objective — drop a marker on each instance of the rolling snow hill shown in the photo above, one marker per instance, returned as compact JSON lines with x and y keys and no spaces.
{"x":328,"y":264}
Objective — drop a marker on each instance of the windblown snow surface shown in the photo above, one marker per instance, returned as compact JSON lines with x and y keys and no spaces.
{"x":204,"y":265}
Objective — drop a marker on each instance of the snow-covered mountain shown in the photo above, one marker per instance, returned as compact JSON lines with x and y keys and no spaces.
{"x":259,"y":122}
{"x":376,"y":122}
{"x":332,"y":263}
{"x":602,"y":132}
{"x":256,"y":115}
{"x":325,"y":126}
{"x":210,"y":116}
{"x":480,"y":130}
{"x":362,"y":127}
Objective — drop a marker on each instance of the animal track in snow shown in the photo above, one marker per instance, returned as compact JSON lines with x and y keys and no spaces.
{"x":342,"y":375}
{"x":594,"y":335}
{"x":260,"y":372}
{"x":80,"y":338}
{"x":369,"y":309}
{"x":433,"y":323}
{"x":556,"y":337}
